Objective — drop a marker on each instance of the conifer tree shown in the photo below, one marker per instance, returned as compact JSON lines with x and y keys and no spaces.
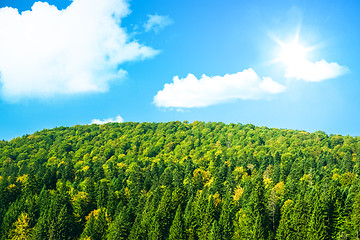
{"x":200,"y":205}
{"x":189,"y":219}
{"x":208,"y":219}
{"x":177,"y":227}
{"x":41,"y":228}
{"x":226,"y":217}
{"x":299,"y":218}
{"x":317,"y":228}
{"x":215,"y":231}
{"x":89,"y":230}
{"x":102,"y":193}
{"x":121,"y":226}
{"x":155,"y":232}
{"x":100,"y":225}
{"x":96,"y":226}
{"x":162,"y":218}
{"x":256,"y":210}
{"x":241,"y":226}
{"x":149,"y":211}
{"x":62,"y":226}
{"x":284,"y":230}
{"x":355,"y":218}
{"x":137,"y":231}
{"x":11,"y":216}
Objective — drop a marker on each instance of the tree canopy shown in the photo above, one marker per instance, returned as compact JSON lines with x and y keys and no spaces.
{"x":179,"y":180}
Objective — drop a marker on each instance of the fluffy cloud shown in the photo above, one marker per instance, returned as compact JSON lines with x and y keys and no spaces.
{"x":79,"y":49}
{"x":157,"y":23}
{"x":192,"y":92}
{"x":117,"y":119}
{"x":315,"y":71}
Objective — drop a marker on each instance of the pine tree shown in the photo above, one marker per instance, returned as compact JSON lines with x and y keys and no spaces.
{"x":156,"y":229}
{"x":200,"y":205}
{"x":121,"y":226}
{"x":335,"y":209}
{"x":149,"y":212}
{"x":241,"y":226}
{"x":62,"y":227}
{"x":189,"y":219}
{"x":137,"y":231}
{"x":89,"y":230}
{"x":215,"y":231}
{"x":11,"y":216}
{"x":256,"y":210}
{"x":91,"y":195}
{"x":226,"y":217}
{"x":299,"y":218}
{"x":284,"y":230}
{"x":177,"y":227}
{"x":317,"y":228}
{"x":96,"y":226}
{"x":162,"y":218}
{"x":102,"y":193}
{"x":101,"y":225}
{"x":41,"y":228}
{"x":208,"y":219}
{"x":355,"y":218}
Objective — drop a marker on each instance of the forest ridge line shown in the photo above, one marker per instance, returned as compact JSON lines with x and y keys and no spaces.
{"x":179,"y":180}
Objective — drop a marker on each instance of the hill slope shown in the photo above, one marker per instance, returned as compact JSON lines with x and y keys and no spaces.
{"x":179,"y":181}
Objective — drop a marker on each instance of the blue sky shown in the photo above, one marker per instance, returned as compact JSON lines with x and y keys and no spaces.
{"x":284,"y":64}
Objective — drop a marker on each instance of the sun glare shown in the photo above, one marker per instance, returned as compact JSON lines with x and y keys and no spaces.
{"x":292,"y":54}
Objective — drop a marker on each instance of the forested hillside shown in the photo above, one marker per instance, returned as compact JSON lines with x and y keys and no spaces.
{"x":179,"y":180}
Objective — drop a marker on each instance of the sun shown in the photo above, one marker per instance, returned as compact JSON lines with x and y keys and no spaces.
{"x":292,"y":54}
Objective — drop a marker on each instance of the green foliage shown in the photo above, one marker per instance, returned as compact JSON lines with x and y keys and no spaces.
{"x":179,"y":181}
{"x":177,"y":226}
{"x":121,"y":226}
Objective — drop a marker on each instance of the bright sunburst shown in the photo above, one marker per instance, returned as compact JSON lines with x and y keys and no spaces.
{"x":292,"y":54}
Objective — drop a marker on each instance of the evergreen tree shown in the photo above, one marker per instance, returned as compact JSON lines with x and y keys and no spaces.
{"x":256,"y":210}
{"x":102,"y":193}
{"x":284,"y":230}
{"x":137,"y":232}
{"x":226,"y":218}
{"x":177,"y":228}
{"x":189,"y":219}
{"x":242,"y":230}
{"x":299,"y":218}
{"x":62,"y":226}
{"x":208,"y":219}
{"x":355,"y":218}
{"x":121,"y":226}
{"x":89,"y":230}
{"x":200,"y":205}
{"x":215,"y":231}
{"x":162,"y":218}
{"x":317,"y":228}
{"x":96,"y":226}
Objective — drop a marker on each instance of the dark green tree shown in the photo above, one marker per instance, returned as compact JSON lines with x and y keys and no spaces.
{"x":177,"y":226}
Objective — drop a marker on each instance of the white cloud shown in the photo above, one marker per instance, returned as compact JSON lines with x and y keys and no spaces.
{"x":45,"y":51}
{"x":192,"y":92}
{"x":117,"y":119}
{"x":315,"y":71}
{"x":157,"y":23}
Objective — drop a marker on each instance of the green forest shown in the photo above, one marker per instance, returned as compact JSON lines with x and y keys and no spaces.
{"x":179,"y":180}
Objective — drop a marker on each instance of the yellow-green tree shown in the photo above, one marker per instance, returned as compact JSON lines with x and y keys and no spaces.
{"x":21,"y":229}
